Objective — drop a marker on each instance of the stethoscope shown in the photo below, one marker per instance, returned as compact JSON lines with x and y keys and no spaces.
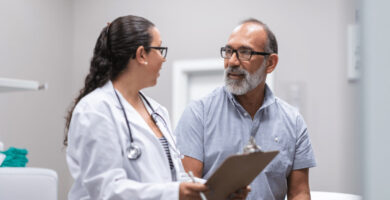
{"x":134,"y":151}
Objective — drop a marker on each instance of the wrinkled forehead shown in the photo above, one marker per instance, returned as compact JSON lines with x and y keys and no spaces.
{"x":250,"y":35}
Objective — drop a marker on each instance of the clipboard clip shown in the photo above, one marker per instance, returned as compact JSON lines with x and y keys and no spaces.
{"x":251,"y":147}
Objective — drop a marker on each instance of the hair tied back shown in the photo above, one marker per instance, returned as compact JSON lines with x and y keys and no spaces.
{"x":108,"y":27}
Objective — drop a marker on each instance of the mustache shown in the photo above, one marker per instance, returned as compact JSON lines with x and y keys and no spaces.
{"x":236,"y":70}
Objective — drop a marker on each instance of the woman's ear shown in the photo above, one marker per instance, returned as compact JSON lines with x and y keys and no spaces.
{"x":272,"y":61}
{"x":140,"y":55}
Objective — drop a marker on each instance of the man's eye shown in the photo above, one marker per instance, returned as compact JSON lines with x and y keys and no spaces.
{"x":245,"y":51}
{"x":228,"y":50}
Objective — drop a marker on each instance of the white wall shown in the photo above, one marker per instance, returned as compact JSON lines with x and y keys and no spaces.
{"x":53,"y":41}
{"x":312,"y":40}
{"x":376,"y":97}
{"x":35,"y":44}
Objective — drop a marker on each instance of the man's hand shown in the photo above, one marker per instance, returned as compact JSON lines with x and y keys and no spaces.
{"x":240,"y":194}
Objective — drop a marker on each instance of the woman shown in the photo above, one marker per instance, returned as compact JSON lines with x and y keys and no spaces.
{"x":120,"y":145}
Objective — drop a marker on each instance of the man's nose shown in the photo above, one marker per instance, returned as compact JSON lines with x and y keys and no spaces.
{"x":234,"y":60}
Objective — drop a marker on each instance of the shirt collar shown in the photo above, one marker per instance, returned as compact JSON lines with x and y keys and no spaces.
{"x":269,"y":97}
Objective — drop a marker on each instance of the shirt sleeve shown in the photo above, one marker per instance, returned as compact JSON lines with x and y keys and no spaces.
{"x":304,"y":155}
{"x":95,"y":159}
{"x":189,"y":132}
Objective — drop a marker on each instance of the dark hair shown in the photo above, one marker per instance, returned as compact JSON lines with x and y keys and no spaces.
{"x":271,"y":44}
{"x":115,"y":46}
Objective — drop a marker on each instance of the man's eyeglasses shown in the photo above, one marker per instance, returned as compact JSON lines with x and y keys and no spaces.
{"x":163,"y":50}
{"x":244,"y":54}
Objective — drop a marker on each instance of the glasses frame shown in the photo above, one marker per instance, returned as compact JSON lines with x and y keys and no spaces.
{"x":163,"y":50}
{"x":237,"y":53}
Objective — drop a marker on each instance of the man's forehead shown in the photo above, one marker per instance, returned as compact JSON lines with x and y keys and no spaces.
{"x":248,"y":34}
{"x":249,"y":27}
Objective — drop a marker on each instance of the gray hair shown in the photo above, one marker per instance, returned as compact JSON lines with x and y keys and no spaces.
{"x":271,"y":43}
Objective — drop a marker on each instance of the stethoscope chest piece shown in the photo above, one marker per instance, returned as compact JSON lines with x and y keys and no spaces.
{"x":133,"y":152}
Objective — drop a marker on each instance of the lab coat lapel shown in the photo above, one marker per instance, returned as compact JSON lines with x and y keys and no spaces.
{"x":162,"y":121}
{"x":167,"y":133}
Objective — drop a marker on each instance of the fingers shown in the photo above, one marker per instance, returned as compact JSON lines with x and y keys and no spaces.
{"x":238,"y":197}
{"x":235,"y":196}
{"x":191,"y":190}
{"x":198,"y":187}
{"x":240,"y":194}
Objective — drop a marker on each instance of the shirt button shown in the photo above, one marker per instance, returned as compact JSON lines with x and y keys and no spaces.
{"x":246,"y":114}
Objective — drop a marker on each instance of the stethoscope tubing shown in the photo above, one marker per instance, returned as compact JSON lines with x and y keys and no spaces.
{"x":124,"y":113}
{"x":154,"y":116}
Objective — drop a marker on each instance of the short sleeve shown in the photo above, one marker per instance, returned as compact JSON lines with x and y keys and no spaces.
{"x":304,"y":155}
{"x":189,"y":131}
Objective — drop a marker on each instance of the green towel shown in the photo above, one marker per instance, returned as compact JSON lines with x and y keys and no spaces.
{"x":15,"y":157}
{"x":15,"y":151}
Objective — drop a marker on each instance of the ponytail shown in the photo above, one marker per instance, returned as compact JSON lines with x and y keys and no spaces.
{"x":99,"y":73}
{"x":116,"y":44}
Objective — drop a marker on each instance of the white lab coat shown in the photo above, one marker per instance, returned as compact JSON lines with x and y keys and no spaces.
{"x":96,"y":154}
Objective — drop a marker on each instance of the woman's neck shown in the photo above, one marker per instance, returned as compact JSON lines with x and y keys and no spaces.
{"x":129,"y":88}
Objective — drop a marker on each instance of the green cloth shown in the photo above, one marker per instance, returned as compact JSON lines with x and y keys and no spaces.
{"x":15,"y":157}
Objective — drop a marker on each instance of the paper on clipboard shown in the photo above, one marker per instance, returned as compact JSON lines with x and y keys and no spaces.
{"x":236,"y":172}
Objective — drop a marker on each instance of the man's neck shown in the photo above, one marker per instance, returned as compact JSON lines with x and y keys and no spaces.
{"x":252,"y":100}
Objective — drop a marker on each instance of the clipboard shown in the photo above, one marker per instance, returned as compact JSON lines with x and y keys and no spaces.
{"x":236,"y":172}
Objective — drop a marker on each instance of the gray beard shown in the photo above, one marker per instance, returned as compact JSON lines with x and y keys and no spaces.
{"x":250,"y":81}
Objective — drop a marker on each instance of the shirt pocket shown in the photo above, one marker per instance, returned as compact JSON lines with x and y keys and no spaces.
{"x":277,"y":168}
{"x":280,"y":167}
{"x":276,"y":176}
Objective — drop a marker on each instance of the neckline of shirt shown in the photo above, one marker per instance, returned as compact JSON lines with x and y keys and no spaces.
{"x":269,"y":98}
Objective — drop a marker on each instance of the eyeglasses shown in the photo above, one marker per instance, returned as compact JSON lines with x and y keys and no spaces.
{"x":163,"y":50}
{"x":244,"y":54}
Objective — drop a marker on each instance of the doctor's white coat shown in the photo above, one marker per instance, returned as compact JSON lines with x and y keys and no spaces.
{"x":96,"y":154}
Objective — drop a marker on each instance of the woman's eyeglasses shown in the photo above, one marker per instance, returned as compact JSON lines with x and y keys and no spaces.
{"x":163,"y":50}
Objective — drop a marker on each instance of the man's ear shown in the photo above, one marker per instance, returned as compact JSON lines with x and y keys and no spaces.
{"x":272,"y":61}
{"x":140,"y":55}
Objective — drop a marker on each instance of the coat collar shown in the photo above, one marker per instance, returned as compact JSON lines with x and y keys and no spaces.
{"x":109,"y":89}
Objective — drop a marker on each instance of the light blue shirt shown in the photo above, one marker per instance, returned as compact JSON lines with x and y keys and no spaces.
{"x":217,"y":126}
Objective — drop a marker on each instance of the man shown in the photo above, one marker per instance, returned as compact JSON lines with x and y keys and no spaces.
{"x":222,"y":123}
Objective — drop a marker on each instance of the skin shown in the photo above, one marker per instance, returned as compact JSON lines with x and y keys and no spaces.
{"x":253,"y":36}
{"x":142,"y":72}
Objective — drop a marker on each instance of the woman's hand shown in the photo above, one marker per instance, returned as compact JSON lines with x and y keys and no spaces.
{"x":191,"y":191}
{"x":240,"y":194}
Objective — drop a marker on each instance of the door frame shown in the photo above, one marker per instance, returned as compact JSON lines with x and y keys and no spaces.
{"x":182,"y":69}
